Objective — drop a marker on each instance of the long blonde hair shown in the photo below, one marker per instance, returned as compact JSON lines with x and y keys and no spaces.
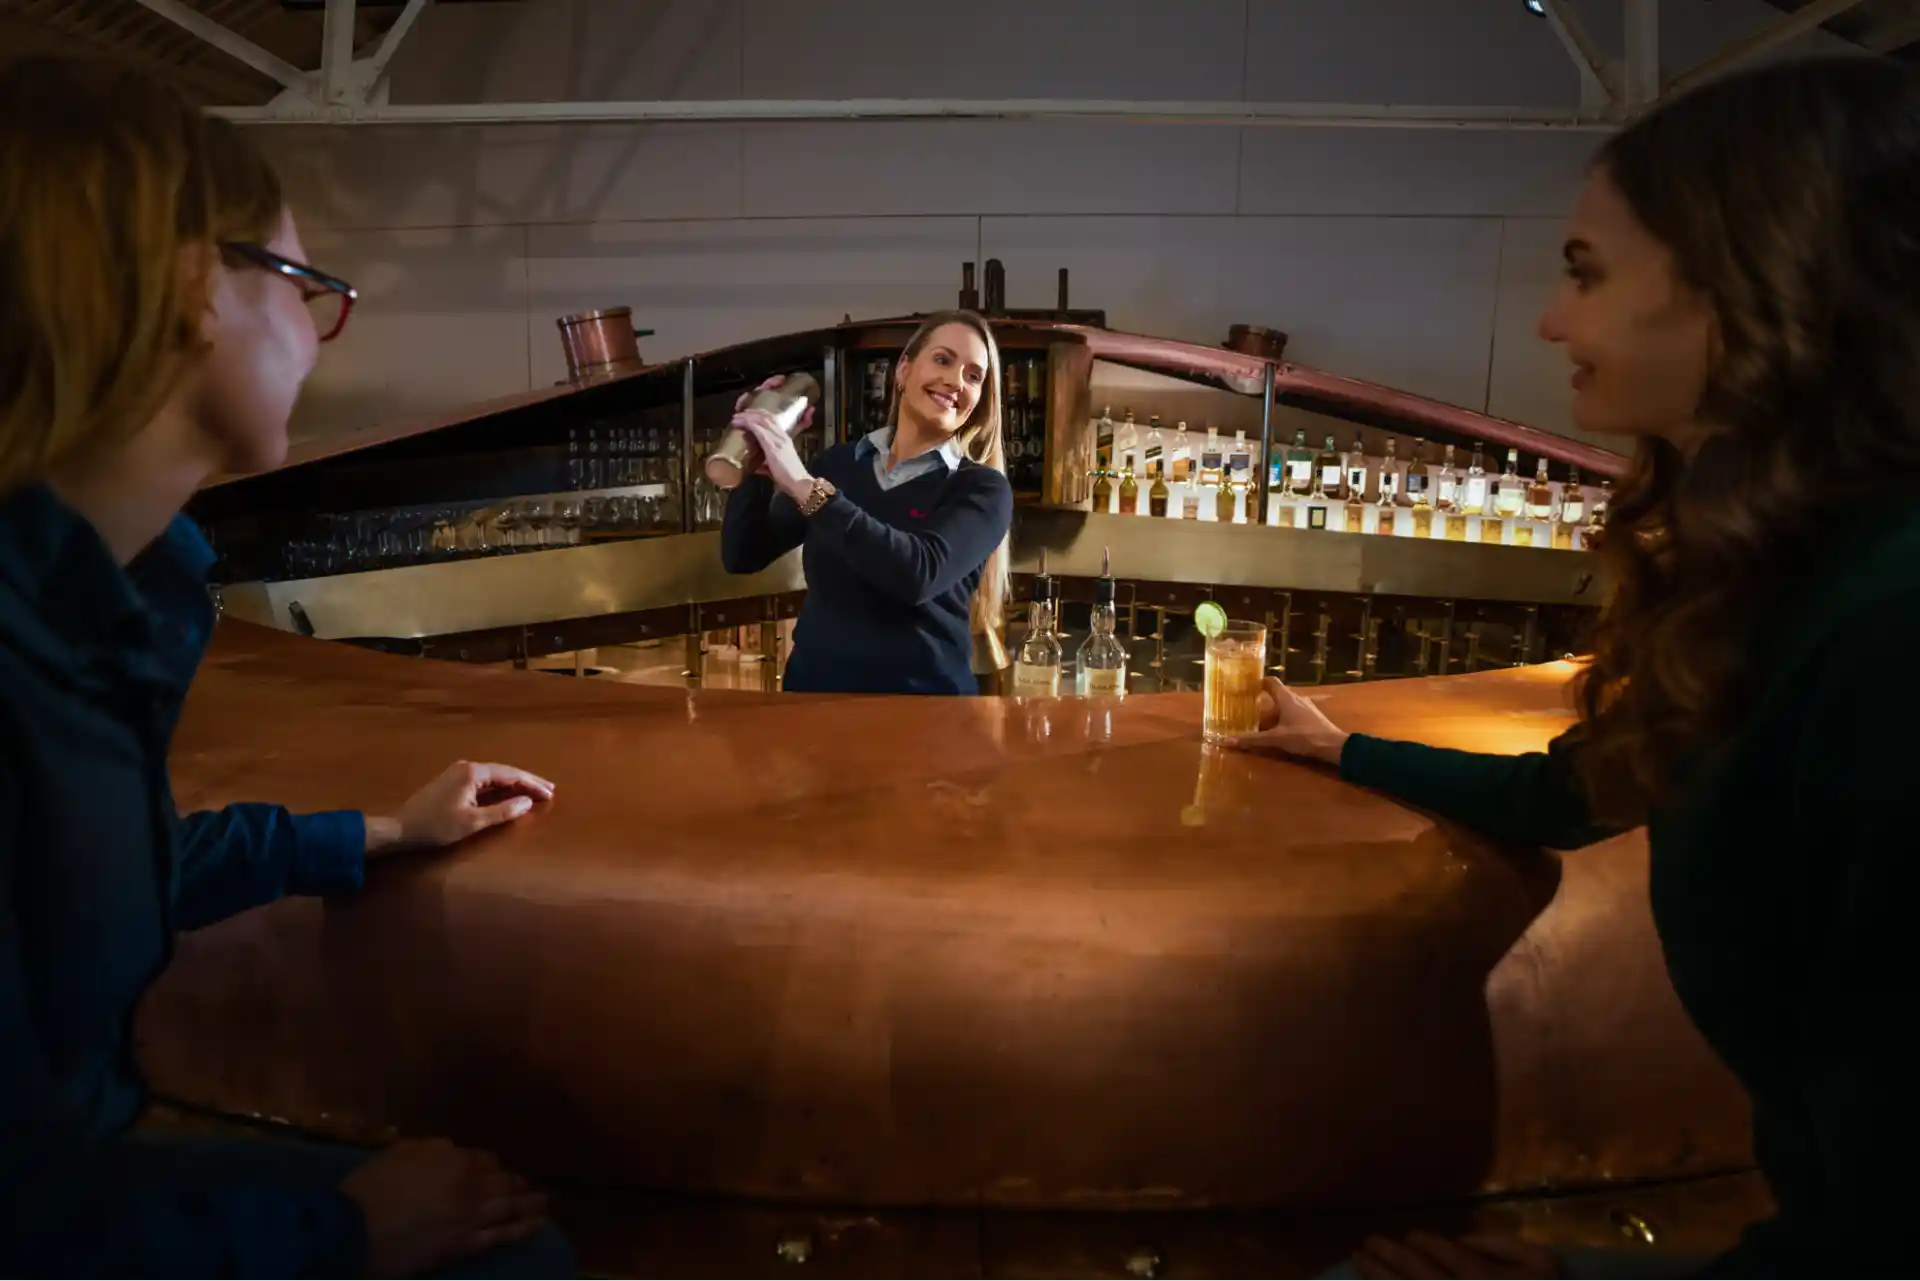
{"x":106,"y":174}
{"x":981,"y":440}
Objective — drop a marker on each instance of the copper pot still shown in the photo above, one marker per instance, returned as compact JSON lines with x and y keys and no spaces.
{"x":1257,"y":340}
{"x":600,"y":344}
{"x":737,"y":455}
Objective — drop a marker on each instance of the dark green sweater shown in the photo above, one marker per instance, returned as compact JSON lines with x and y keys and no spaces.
{"x":1785,"y":890}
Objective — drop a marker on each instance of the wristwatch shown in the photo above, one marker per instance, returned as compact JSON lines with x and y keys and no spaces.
{"x":817,"y":497}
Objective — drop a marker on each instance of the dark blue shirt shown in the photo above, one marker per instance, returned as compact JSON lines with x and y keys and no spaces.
{"x":891,"y":569}
{"x":97,"y":871}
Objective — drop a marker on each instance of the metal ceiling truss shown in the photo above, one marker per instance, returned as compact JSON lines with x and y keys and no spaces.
{"x":350,"y":87}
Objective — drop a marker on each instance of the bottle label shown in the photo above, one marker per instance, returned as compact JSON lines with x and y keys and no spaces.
{"x":1210,"y":460}
{"x":1389,"y":483}
{"x":1103,"y":680}
{"x":1330,"y":476}
{"x":1300,"y":470}
{"x":1316,"y":517}
{"x":1357,"y":479}
{"x":1182,"y":464}
{"x":1476,"y":493}
{"x":1416,"y":485}
{"x":1449,"y":489}
{"x":1033,"y":680}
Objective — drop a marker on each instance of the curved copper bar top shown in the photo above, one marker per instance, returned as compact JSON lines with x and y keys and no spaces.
{"x":931,"y":951}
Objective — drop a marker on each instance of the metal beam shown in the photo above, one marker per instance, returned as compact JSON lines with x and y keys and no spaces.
{"x":1232,"y":114}
{"x":231,"y":43}
{"x":376,"y":66}
{"x":1599,"y":83}
{"x":336,"y":51}
{"x":1642,"y":84}
{"x":1895,"y":31}
{"x":1774,"y":34}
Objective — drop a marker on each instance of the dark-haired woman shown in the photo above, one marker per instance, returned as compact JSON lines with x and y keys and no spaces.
{"x":1743,"y":299}
{"x":157,"y":318}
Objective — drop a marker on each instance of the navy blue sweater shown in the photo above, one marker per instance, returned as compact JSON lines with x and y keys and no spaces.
{"x":97,"y":871}
{"x":890,"y":572}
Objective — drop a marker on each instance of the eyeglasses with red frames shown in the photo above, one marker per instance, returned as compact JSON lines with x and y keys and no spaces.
{"x":329,"y":298}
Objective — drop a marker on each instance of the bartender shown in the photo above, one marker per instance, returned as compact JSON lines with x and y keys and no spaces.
{"x":903,"y":532}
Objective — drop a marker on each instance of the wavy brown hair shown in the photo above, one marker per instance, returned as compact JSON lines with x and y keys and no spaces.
{"x":1789,"y":198}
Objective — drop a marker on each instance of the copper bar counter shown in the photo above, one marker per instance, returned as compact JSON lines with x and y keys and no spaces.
{"x":932,"y":952}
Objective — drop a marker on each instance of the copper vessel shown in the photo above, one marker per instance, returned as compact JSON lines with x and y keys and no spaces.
{"x":1257,"y":340}
{"x":600,"y":344}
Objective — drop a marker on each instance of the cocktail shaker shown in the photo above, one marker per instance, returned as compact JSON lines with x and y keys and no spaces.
{"x":737,"y":455}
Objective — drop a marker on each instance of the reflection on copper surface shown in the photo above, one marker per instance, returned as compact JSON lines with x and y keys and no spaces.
{"x":899,"y":951}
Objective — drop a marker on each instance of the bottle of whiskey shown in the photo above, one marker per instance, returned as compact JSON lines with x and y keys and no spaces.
{"x":1356,"y":464}
{"x":1388,"y":505}
{"x":1540,"y":493}
{"x":1224,"y":501}
{"x":1157,"y":492}
{"x":1036,"y":667}
{"x":1182,"y":469}
{"x":1212,"y":458}
{"x":1100,"y":668}
{"x":1240,"y":459}
{"x":1473,"y":491}
{"x":1510,"y":495}
{"x":1446,"y":483}
{"x":1299,"y":464}
{"x":1328,"y":472}
{"x":1126,"y":439}
{"x":1102,"y":490}
{"x":1129,"y":486}
{"x":1156,"y":442}
{"x":1420,"y":491}
{"x":1573,"y":510}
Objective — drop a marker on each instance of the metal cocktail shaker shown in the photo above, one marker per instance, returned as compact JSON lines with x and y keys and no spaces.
{"x":737,"y":455}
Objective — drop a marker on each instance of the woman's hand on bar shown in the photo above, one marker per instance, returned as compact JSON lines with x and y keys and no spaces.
{"x":465,"y":799}
{"x":429,"y":1204}
{"x":1292,"y":726}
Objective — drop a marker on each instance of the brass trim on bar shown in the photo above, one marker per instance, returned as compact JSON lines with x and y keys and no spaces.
{"x":417,"y":601}
{"x":653,"y":573}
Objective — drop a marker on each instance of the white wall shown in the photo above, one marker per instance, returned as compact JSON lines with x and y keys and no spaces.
{"x":1415,"y":258}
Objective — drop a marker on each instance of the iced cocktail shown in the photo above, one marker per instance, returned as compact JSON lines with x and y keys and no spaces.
{"x":1235,"y":662}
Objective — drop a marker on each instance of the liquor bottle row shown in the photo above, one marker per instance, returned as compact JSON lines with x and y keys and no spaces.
{"x":1210,"y":479}
{"x":611,"y":454}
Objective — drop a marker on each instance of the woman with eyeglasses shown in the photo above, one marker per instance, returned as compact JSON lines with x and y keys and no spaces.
{"x":157,"y":319}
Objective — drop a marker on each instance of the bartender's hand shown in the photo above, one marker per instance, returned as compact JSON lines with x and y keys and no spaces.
{"x":778,"y":456}
{"x":430,"y":1205}
{"x":1292,"y":726}
{"x":806,"y":418}
{"x":465,"y":799}
{"x":1422,"y":1254}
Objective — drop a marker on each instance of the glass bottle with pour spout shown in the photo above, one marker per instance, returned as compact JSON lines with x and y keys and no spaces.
{"x":737,"y":456}
{"x":1036,"y":668}
{"x":1101,"y":666}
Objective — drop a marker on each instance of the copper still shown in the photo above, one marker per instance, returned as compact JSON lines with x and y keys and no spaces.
{"x":600,"y":344}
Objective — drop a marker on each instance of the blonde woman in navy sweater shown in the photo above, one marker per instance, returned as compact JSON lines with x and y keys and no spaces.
{"x":903,"y":532}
